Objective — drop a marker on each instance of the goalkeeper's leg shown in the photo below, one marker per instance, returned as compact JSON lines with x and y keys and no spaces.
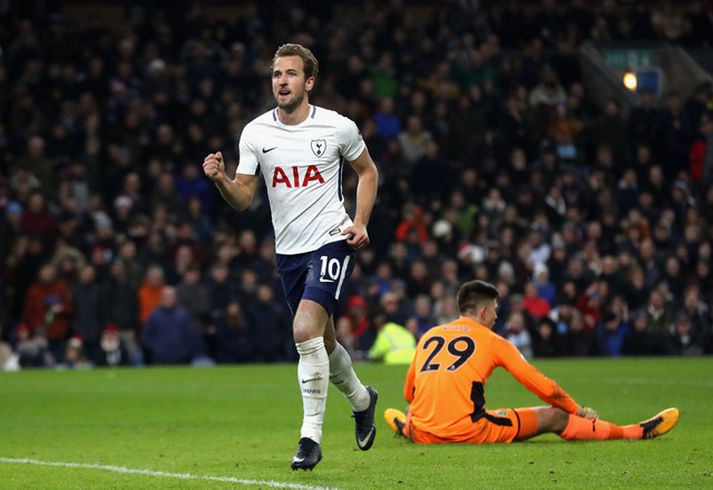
{"x":573,"y":427}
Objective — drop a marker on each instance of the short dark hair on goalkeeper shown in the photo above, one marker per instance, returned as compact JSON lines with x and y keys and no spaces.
{"x":474,"y":294}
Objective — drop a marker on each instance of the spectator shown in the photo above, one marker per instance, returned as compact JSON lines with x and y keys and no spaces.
{"x":545,"y":343}
{"x":387,"y":123}
{"x":32,"y":349}
{"x":234,"y":336}
{"x":413,"y":140}
{"x":192,"y":295}
{"x":639,"y":341}
{"x":578,"y":340}
{"x":535,"y":305}
{"x":120,"y":310}
{"x":358,"y":320}
{"x":683,"y":340}
{"x":393,"y":345}
{"x":658,"y":317}
{"x":150,"y":292}
{"x":614,"y":200}
{"x":88,"y":322}
{"x":48,"y":308}
{"x":610,"y":333}
{"x":169,"y":336}
{"x":271,"y":326}
{"x":518,"y":335}
{"x":422,"y":314}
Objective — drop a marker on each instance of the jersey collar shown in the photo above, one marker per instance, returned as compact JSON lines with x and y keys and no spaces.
{"x":466,"y":320}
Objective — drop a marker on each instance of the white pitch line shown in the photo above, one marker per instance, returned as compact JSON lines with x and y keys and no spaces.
{"x":166,"y":474}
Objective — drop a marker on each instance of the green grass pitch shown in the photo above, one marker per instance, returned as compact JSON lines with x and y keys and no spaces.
{"x":243,"y":422}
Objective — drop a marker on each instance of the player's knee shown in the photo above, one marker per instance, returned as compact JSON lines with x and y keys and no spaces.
{"x":559,"y":420}
{"x":552,"y":420}
{"x":302,"y":331}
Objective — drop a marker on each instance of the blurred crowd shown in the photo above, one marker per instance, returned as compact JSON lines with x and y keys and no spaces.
{"x":594,"y":222}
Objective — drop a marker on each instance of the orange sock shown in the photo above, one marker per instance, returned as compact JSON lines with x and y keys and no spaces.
{"x":581,"y":429}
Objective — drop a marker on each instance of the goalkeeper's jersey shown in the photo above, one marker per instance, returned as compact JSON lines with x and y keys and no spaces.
{"x":446,"y":380}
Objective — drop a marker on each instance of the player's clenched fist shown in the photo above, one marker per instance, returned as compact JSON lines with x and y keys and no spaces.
{"x":213,"y":166}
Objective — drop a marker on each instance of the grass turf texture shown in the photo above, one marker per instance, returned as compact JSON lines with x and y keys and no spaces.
{"x":243,"y":422}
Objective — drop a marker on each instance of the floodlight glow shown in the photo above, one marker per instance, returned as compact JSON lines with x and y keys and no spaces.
{"x":630,"y":81}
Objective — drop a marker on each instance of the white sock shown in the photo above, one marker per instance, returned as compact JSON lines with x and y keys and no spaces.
{"x":313,"y":379}
{"x":342,"y":375}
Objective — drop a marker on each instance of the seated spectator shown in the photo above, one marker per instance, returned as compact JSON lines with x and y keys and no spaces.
{"x":610,"y":332}
{"x":422,"y":313}
{"x":150,"y":292}
{"x":32,"y":349}
{"x":639,"y":340}
{"x":545,"y":288}
{"x":413,"y":139}
{"x":535,"y":305}
{"x":387,"y":123}
{"x":658,"y":317}
{"x":360,"y":325}
{"x":169,"y":335}
{"x":271,"y":327}
{"x":578,"y":341}
{"x":683,"y":341}
{"x":234,"y":337}
{"x":518,"y":335}
{"x":545,"y":343}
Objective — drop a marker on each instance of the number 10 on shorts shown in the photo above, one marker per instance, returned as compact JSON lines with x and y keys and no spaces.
{"x":332,"y":270}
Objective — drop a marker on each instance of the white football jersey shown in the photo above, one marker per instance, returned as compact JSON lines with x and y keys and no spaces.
{"x":302,"y":167}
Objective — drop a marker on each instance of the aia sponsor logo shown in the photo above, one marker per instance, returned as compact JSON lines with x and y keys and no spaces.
{"x":293,"y":176}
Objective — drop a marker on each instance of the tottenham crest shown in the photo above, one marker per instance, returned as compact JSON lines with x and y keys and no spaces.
{"x":318,"y":147}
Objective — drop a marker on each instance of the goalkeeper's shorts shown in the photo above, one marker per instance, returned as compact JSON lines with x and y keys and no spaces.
{"x":501,"y":425}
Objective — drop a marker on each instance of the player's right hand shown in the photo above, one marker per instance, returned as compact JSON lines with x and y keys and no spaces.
{"x":213,"y":166}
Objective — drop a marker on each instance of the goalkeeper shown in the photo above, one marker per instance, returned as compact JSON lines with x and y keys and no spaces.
{"x":446,"y":379}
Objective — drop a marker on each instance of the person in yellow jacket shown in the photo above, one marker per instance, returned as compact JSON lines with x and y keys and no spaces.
{"x":394,"y":344}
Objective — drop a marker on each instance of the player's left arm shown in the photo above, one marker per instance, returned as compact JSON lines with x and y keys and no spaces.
{"x":528,"y":375}
{"x":365,"y":198}
{"x":410,"y":379}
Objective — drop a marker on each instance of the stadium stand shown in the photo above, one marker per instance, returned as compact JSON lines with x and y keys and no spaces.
{"x":594,"y":220}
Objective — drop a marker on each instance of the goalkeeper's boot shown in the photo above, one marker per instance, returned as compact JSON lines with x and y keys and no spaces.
{"x":396,"y":420}
{"x":307,"y":456}
{"x":365,"y":430}
{"x":660,"y":423}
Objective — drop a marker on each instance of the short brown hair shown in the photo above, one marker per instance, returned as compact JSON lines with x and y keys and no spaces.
{"x":473,"y":294}
{"x":311,"y":65}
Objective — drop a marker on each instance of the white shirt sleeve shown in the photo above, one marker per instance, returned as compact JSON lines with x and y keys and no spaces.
{"x":247,"y":155}
{"x":351,"y":143}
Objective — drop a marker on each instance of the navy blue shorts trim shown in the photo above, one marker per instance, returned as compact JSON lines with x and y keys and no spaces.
{"x":318,"y":276}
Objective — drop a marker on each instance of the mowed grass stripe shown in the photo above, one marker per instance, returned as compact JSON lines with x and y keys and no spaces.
{"x":243,"y":422}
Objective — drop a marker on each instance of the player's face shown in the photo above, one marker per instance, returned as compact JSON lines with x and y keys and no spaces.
{"x":289,"y":86}
{"x":489,"y":314}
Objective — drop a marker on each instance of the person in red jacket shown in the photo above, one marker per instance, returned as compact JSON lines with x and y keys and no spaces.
{"x":48,"y":307}
{"x":701,"y":155}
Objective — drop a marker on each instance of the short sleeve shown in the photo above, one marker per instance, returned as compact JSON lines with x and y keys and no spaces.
{"x":247,"y":156}
{"x":351,"y":143}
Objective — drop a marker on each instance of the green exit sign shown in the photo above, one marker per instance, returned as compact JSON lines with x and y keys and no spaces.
{"x":628,"y":59}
